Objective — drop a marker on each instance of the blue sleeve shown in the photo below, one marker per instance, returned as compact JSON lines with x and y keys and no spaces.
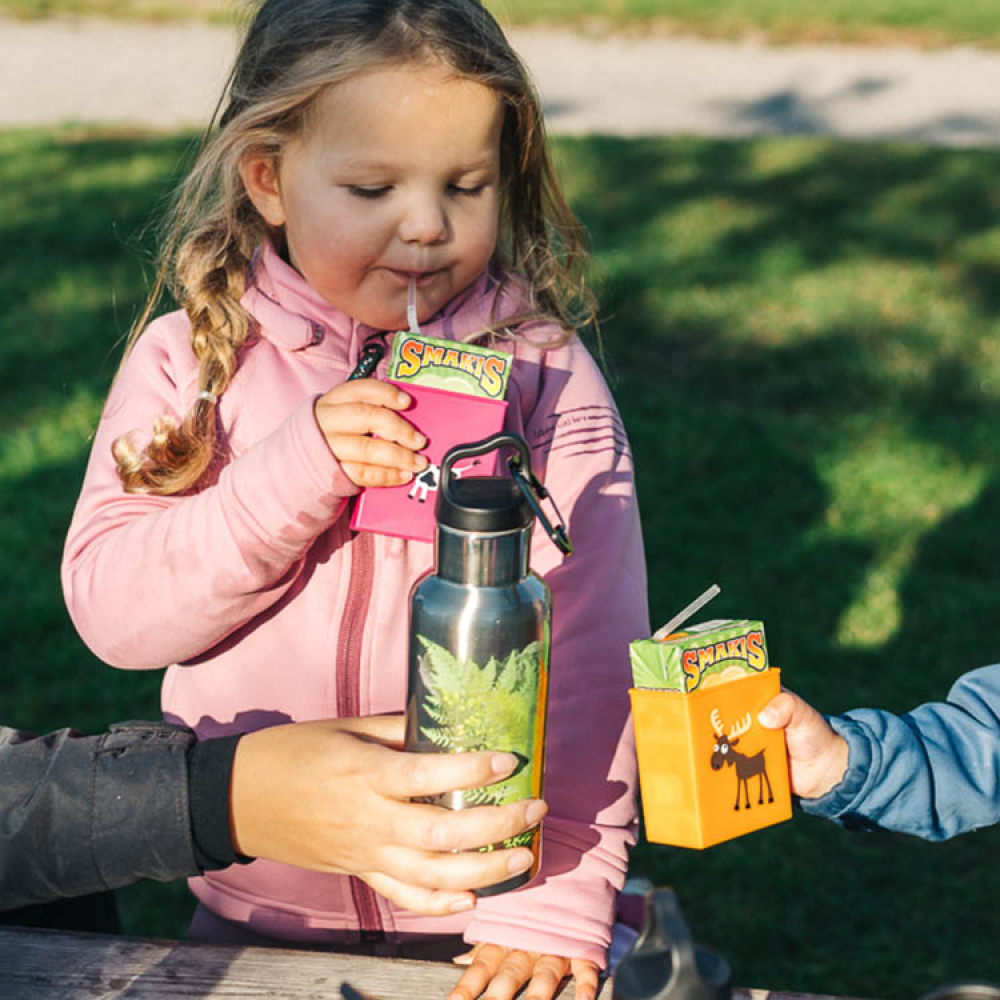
{"x":933,"y":773}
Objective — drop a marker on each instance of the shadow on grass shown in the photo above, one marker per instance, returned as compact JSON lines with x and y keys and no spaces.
{"x":801,"y":336}
{"x":876,"y":307}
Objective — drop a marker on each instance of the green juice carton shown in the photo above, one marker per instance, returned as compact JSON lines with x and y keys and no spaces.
{"x":468,"y":369}
{"x":700,"y":656}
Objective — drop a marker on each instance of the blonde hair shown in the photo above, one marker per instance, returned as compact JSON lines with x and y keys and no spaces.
{"x":292,"y":52}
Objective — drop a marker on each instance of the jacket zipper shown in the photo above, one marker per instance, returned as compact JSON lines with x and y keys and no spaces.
{"x":349,"y":645}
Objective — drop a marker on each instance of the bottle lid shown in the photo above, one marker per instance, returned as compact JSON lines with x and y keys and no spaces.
{"x":496,"y":503}
{"x":484,"y":505}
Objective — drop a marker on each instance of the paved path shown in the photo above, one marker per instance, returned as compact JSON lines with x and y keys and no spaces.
{"x":163,"y":76}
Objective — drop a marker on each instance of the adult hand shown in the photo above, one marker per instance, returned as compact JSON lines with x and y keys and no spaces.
{"x":817,"y":756}
{"x":373,"y":443}
{"x":335,"y":796}
{"x":497,"y":973}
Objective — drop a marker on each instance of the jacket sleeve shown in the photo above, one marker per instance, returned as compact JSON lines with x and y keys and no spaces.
{"x":933,"y":773}
{"x":580,"y":452}
{"x":154,"y":580}
{"x":84,"y":814}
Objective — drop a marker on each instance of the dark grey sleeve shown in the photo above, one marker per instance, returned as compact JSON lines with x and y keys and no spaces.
{"x":82,"y":814}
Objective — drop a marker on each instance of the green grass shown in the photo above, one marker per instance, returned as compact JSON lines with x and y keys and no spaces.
{"x":923,"y":22}
{"x":802,"y":336}
{"x":919,"y":21}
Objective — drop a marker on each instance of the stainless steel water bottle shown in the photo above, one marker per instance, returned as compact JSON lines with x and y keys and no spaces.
{"x":479,"y":632}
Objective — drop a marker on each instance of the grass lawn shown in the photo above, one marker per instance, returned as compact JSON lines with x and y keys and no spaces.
{"x":922,"y":22}
{"x":802,"y":338}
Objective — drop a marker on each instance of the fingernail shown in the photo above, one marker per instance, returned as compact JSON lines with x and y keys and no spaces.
{"x":520,"y":862}
{"x":462,"y":904}
{"x":535,"y":812}
{"x":767,"y":717}
{"x":407,"y":476}
{"x":503,"y":763}
{"x":421,"y":441}
{"x":402,"y":398}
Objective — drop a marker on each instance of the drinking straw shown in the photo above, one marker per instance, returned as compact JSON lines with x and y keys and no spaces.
{"x":411,"y":306}
{"x":682,"y":616}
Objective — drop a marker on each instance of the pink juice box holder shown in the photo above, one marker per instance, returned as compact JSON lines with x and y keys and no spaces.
{"x":457,"y":396}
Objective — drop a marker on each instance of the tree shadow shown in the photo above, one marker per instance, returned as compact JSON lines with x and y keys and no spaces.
{"x":736,"y":424}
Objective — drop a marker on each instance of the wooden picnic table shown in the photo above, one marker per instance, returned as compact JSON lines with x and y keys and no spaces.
{"x":73,"y":966}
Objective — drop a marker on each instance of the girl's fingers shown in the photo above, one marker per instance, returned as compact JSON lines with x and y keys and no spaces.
{"x":366,"y":390}
{"x":587,"y":976}
{"x":498,"y":973}
{"x":375,"y":458}
{"x":374,"y":475}
{"x":357,"y":419}
{"x":548,"y":973}
{"x":513,"y":972}
{"x":383,"y":450}
{"x":381,"y":457}
{"x":485,"y":962}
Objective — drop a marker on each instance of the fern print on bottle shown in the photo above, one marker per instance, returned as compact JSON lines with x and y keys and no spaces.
{"x":479,"y":635}
{"x":489,"y":707}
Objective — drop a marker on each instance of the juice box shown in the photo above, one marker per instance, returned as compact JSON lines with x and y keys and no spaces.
{"x":708,"y":771}
{"x":700,"y":656}
{"x":457,"y":395}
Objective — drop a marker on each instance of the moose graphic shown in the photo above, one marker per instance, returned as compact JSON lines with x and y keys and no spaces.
{"x":746,"y":767}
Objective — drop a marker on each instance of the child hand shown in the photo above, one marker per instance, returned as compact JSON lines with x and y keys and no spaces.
{"x":335,"y":796}
{"x":498,"y":973}
{"x":374,"y":445}
{"x":817,"y":756}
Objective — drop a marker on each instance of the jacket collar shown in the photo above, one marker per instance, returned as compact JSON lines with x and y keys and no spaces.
{"x":294,"y":316}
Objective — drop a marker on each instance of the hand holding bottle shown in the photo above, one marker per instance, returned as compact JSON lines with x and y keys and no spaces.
{"x":335,"y":796}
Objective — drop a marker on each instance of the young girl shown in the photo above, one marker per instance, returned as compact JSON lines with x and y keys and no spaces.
{"x":366,"y":146}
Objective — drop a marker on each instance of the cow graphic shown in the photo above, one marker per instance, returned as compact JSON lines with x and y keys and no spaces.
{"x":746,"y":767}
{"x":429,"y":480}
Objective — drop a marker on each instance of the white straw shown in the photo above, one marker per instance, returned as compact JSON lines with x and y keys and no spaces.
{"x":411,"y":307}
{"x":682,"y":616}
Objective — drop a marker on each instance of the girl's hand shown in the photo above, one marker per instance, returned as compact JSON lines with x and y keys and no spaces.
{"x":497,"y":973}
{"x":817,"y":756}
{"x":335,"y":797}
{"x":373,"y":443}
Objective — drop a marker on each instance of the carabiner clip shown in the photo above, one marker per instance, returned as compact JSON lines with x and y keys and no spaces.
{"x":371,"y":354}
{"x":534,"y":492}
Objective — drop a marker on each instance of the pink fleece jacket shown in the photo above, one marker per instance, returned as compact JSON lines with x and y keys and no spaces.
{"x":266,"y":608}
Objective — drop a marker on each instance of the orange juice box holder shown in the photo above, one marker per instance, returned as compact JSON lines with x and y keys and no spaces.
{"x":708,"y":771}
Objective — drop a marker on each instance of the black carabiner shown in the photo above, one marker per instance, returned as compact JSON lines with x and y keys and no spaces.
{"x":534,"y":492}
{"x":371,"y":354}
